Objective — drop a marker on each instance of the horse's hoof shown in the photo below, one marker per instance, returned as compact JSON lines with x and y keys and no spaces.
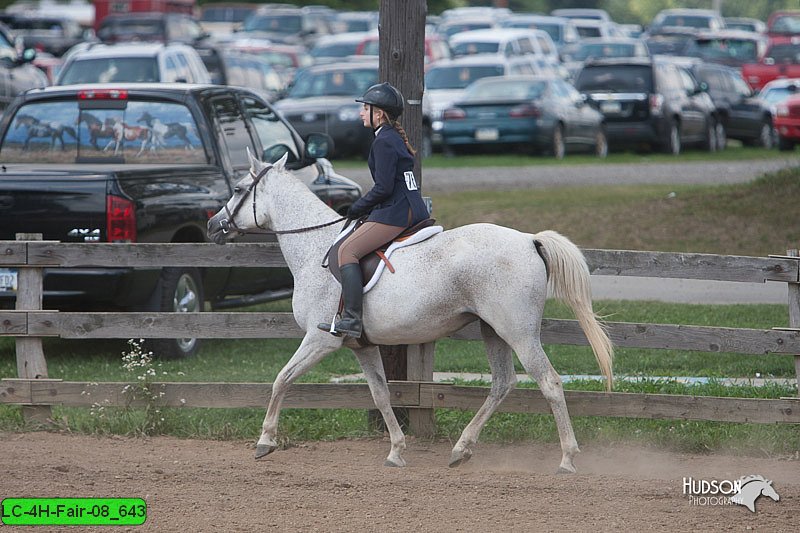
{"x":562,"y":470}
{"x":394,"y":464}
{"x":264,"y":449}
{"x":458,"y":459}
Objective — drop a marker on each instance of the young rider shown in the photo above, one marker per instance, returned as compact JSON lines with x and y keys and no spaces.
{"x":393,"y":204}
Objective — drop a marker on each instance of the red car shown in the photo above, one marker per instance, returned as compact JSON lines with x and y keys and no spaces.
{"x":787,"y":123}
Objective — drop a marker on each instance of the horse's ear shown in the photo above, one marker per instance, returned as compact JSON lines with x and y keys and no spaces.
{"x":250,"y":157}
{"x":282,"y":161}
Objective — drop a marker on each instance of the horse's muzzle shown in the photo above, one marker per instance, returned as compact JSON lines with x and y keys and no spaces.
{"x":218,"y":231}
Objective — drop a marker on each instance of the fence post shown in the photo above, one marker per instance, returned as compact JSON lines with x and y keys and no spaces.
{"x":31,"y":363}
{"x":794,"y":315}
{"x":421,"y":422}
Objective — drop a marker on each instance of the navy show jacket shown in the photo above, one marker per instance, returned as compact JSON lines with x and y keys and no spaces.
{"x":395,"y":189}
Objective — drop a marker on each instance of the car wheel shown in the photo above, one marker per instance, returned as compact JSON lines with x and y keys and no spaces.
{"x":765,"y":138}
{"x":557,"y":147}
{"x":672,"y":144}
{"x":785,"y":145}
{"x":722,"y":135}
{"x":710,"y":142}
{"x":601,"y":144}
{"x":180,"y":290}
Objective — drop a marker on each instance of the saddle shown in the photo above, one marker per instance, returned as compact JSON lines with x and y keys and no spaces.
{"x":372,"y":264}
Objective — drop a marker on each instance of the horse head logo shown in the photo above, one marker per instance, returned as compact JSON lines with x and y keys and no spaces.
{"x":752,"y":488}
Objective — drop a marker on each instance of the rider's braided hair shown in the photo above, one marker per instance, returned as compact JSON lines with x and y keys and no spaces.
{"x":403,"y":135}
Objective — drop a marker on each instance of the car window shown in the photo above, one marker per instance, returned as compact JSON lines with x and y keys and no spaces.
{"x":345,"y":82}
{"x":232,"y":130}
{"x":545,"y":45}
{"x":274,"y":135}
{"x":72,"y":131}
{"x":290,"y":24}
{"x":687,"y":82}
{"x":466,"y":48}
{"x":526,"y":46}
{"x":109,"y":70}
{"x":513,"y":90}
{"x":740,"y":86}
{"x":620,"y":78}
{"x":456,"y":77}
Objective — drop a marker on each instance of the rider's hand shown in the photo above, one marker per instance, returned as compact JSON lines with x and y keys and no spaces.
{"x":356,"y":212}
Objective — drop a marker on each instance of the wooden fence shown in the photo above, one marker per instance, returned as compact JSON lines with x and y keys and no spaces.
{"x":29,"y":323}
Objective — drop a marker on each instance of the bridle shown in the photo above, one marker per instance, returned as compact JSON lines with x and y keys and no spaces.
{"x":228,"y":224}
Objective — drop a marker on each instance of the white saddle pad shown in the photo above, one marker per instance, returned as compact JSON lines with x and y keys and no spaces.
{"x":419,"y":236}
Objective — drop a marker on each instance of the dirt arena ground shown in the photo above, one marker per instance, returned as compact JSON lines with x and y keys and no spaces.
{"x":194,"y":486}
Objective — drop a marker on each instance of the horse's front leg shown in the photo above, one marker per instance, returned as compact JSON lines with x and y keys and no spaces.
{"x":371,"y":364}
{"x":315,"y":346}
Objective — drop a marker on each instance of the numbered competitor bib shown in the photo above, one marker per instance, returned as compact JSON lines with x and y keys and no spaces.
{"x":411,"y":183}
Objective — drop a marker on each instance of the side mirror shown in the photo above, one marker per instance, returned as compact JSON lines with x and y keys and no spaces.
{"x":703,"y":87}
{"x":28,"y":55}
{"x":318,"y":145}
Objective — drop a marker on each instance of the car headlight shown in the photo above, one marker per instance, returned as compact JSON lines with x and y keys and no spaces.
{"x":349,"y":114}
{"x":782,"y":110}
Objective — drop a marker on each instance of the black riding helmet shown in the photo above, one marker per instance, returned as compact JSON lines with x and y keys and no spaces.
{"x":386,"y":97}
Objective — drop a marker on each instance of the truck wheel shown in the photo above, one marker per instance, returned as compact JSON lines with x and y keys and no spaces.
{"x":557,"y":146}
{"x":765,"y":138}
{"x":710,"y":143}
{"x":179,"y":290}
{"x":601,"y":143}
{"x":722,"y":135}
{"x":785,"y":145}
{"x":672,"y":144}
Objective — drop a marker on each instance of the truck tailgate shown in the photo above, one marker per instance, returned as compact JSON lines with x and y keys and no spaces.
{"x":62,"y":206}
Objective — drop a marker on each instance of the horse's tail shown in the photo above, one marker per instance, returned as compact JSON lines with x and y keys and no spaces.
{"x":569,"y":282}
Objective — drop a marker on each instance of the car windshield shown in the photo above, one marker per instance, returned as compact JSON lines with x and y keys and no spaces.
{"x":590,"y":50}
{"x":783,"y":53}
{"x":351,"y":82}
{"x":786,"y":24}
{"x":505,"y":90}
{"x":474,"y":47}
{"x":335,"y":49}
{"x":105,"y":70}
{"x":289,"y":24}
{"x":688,"y":21}
{"x":225,"y":14}
{"x":132,"y":30}
{"x":67,"y":131}
{"x":741,"y":49}
{"x":554,"y":30}
{"x":615,"y":78}
{"x":452,"y":29}
{"x":776,"y":95}
{"x":459,"y":77}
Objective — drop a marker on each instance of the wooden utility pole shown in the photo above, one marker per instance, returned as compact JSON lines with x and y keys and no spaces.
{"x":402,"y":50}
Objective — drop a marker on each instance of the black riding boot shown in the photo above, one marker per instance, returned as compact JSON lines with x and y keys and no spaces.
{"x":352,"y":291}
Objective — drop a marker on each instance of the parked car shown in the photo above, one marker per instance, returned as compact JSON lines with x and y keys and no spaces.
{"x":232,"y":67}
{"x":668,"y":41}
{"x":54,"y":35}
{"x":741,"y":114}
{"x":358,"y":20}
{"x":649,"y":101}
{"x":591,"y":28}
{"x":286,"y":59}
{"x":450,"y":27}
{"x":688,"y":18}
{"x":779,"y":90}
{"x":446,"y":80}
{"x":533,"y":113}
{"x":733,"y":48}
{"x":145,"y":163}
{"x":322,"y":98}
{"x":151,"y":26}
{"x":17,"y":73}
{"x":787,"y":123}
{"x":574,"y":55}
{"x":783,"y":25}
{"x":509,"y":43}
{"x":287,"y":25}
{"x":436,"y":48}
{"x":582,"y":13}
{"x":143,"y":62}
{"x":562,"y":30}
{"x":781,"y":60}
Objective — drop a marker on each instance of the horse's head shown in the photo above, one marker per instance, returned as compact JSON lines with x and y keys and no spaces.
{"x":23,"y":120}
{"x":769,"y":491}
{"x":242,"y":213}
{"x":146,"y":118}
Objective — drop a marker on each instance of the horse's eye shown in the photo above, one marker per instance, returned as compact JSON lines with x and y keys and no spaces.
{"x":237,"y":190}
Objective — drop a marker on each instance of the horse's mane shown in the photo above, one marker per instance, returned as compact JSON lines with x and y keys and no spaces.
{"x":753,"y":477}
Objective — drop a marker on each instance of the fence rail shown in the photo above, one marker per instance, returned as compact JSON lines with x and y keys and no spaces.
{"x":29,"y":323}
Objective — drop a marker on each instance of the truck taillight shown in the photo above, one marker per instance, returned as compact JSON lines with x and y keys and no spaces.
{"x":656,"y":104}
{"x":120,"y":220}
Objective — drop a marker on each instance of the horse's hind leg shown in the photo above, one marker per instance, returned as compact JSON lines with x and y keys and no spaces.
{"x":534,"y":359}
{"x":310,"y":352}
{"x":501,"y":363}
{"x":371,"y":364}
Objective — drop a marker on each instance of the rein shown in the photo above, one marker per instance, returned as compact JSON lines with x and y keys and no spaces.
{"x":228,"y":223}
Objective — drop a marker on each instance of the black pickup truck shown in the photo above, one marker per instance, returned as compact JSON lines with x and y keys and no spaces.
{"x":143,"y":163}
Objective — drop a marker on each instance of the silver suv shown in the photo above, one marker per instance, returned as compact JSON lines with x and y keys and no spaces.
{"x":140,"y":62}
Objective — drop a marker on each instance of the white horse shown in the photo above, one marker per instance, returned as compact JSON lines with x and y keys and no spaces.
{"x":476,"y":272}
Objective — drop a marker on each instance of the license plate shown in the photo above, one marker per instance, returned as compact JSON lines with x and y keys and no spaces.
{"x":487,"y":134}
{"x":610,"y":107}
{"x":8,"y":279}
